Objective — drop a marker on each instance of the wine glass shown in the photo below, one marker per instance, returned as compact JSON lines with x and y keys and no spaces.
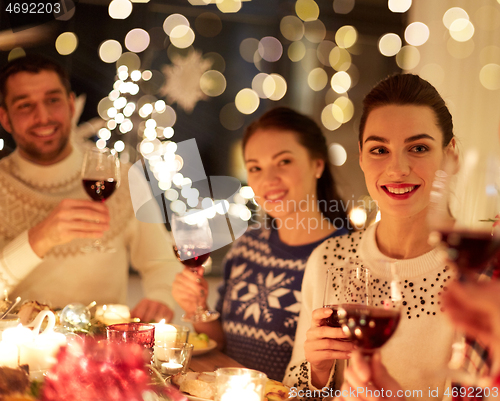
{"x":100,"y":178}
{"x":192,"y":246}
{"x":367,"y":315}
{"x":461,"y":216}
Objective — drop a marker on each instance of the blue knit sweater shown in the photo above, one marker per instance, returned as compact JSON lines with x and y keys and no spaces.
{"x":260,"y":299}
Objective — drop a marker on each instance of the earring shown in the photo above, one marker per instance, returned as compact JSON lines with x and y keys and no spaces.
{"x":318,"y":175}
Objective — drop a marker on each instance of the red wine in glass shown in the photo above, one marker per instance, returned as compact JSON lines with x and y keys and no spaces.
{"x":192,"y":257}
{"x":99,"y":190}
{"x":470,"y":250}
{"x":368,"y":327}
{"x":333,"y":319}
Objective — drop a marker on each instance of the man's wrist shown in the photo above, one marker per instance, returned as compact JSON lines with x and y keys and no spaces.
{"x":37,"y":242}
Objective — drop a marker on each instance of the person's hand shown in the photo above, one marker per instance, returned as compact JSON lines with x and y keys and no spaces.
{"x":323,"y":345}
{"x":152,"y":311}
{"x":190,"y":290}
{"x":368,"y":380}
{"x":71,"y":218}
{"x":475,"y":309}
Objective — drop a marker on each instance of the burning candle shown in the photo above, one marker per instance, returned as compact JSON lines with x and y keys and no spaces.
{"x":17,"y":335}
{"x":239,"y":384}
{"x":9,"y":354}
{"x":171,"y":368}
{"x":40,"y":354}
{"x":164,"y":333}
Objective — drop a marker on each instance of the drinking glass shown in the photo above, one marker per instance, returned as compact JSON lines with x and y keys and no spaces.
{"x":142,"y":334}
{"x":100,"y":178}
{"x":193,"y":243}
{"x":172,"y":358}
{"x":461,"y":217}
{"x":368,"y":315}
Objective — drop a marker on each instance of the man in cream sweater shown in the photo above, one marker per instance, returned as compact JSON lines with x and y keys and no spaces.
{"x":46,"y":217}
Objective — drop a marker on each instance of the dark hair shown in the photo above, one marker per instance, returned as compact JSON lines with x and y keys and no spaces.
{"x":32,"y":64}
{"x":310,"y":136}
{"x":407,"y":89}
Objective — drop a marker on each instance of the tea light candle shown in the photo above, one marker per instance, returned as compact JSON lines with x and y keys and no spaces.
{"x":17,"y":335}
{"x":113,"y":314}
{"x":9,"y":354}
{"x":164,"y":333}
{"x":171,"y":368}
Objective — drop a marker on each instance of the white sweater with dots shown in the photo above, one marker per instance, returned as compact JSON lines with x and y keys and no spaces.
{"x":418,"y":351}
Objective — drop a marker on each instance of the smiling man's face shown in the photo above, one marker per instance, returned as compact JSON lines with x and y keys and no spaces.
{"x":37,"y":112}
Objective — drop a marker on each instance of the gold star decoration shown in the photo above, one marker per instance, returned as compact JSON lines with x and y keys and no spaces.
{"x":182,"y":77}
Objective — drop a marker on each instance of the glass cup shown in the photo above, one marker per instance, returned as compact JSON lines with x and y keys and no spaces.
{"x":142,"y":334}
{"x":239,"y":384}
{"x":172,"y":358}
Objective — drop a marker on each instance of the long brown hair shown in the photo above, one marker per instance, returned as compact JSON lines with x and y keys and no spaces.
{"x":309,"y":135}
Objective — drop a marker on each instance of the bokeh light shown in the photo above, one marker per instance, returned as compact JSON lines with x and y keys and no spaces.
{"x":315,"y":31}
{"x":399,"y":6}
{"x":218,"y":62}
{"x":280,"y":87}
{"x":296,"y":51}
{"x":258,"y":85}
{"x":119,"y":146}
{"x":408,"y":58}
{"x":489,"y":76}
{"x":247,"y":101}
{"x":417,"y":33}
{"x":120,"y":9}
{"x":208,"y":24}
{"x":317,"y":79}
{"x":346,"y":36}
{"x":270,"y":49}
{"x":110,"y":51}
{"x":137,"y":40}
{"x":307,"y":10}
{"x":248,"y":48}
{"x":212,"y":83}
{"x":66,"y":43}
{"x":343,"y":6}
{"x":292,"y":28}
{"x":461,"y":30}
{"x":173,"y":21}
{"x":343,"y":109}
{"x":337,"y":154}
{"x":231,"y":118}
{"x":340,"y":59}
{"x":358,"y":216}
{"x":341,"y":82}
{"x":328,"y":120}
{"x":182,"y":36}
{"x":453,"y":14}
{"x":323,"y":51}
{"x":229,"y":6}
{"x":16,"y":52}
{"x":389,"y":44}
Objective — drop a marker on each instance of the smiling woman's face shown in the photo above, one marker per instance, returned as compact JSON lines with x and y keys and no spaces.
{"x":402,"y":150}
{"x":281,"y":171}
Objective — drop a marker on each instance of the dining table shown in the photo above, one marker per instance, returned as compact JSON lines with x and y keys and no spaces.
{"x":211,"y":361}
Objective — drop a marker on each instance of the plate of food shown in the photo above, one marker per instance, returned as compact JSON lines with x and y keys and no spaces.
{"x":201,"y":387}
{"x":202,"y":344}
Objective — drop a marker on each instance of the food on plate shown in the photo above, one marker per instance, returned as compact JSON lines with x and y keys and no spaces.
{"x":200,"y":385}
{"x":276,"y":391}
{"x":199,"y":341}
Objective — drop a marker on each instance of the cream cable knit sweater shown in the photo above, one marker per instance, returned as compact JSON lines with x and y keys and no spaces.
{"x":419,"y":349}
{"x":28,"y":193}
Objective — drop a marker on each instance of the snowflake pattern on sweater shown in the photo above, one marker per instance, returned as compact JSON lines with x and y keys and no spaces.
{"x":260,"y":299}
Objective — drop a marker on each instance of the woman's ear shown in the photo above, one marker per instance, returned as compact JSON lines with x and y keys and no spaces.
{"x":360,"y":157}
{"x":320,"y":167}
{"x":452,"y":157}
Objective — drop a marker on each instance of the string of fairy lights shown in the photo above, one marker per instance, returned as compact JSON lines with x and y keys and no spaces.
{"x":136,"y":102}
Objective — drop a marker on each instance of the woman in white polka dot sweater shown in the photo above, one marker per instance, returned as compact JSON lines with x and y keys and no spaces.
{"x":405,"y":132}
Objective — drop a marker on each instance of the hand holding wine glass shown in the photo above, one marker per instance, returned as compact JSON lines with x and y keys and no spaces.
{"x":193,"y":244}
{"x":368,"y":314}
{"x":100,"y":178}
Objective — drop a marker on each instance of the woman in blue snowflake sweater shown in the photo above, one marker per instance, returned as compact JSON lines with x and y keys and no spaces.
{"x":286,"y":158}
